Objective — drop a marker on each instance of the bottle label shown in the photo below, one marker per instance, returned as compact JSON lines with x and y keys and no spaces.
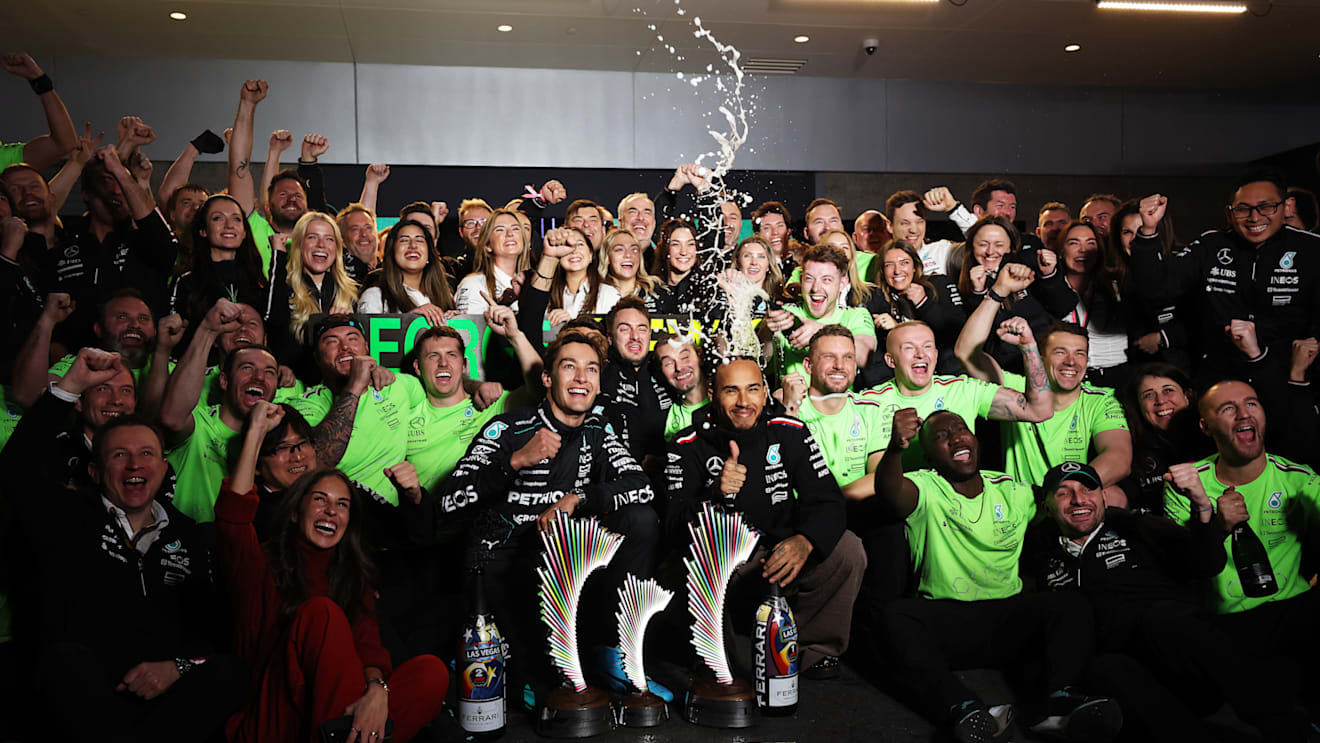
{"x":480,"y":717}
{"x":482,"y":663}
{"x":776,"y":656}
{"x":783,"y":692}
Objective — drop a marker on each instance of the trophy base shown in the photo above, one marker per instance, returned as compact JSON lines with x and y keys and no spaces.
{"x":570,"y":714}
{"x":720,"y":705}
{"x":641,"y":710}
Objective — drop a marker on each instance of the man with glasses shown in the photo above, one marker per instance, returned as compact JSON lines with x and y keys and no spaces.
{"x":1253,"y":285}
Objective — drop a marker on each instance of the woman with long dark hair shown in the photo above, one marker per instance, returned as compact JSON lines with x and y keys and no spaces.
{"x":305,"y":611}
{"x":675,"y":258}
{"x":1160,"y":406}
{"x":412,"y":278}
{"x":1155,"y":329}
{"x":225,"y":262}
{"x":904,"y":292}
{"x":1096,"y":303}
{"x":575,"y":286}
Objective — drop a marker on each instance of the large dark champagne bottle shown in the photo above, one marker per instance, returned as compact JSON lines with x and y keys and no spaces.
{"x":776,"y":652}
{"x":1253,"y":563}
{"x":481,"y":669}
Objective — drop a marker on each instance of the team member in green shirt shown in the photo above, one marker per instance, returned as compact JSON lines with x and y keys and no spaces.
{"x":250,"y":331}
{"x":680,"y":363}
{"x":846,"y":426}
{"x":824,"y":269}
{"x":910,"y":349}
{"x":1084,"y":418}
{"x":966,"y":530}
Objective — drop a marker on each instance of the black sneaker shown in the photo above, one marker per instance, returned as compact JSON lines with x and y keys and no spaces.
{"x":972,"y":722}
{"x":824,"y":669}
{"x":1075,"y":717}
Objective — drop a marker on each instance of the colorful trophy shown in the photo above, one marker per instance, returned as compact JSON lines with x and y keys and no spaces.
{"x":721,"y":541}
{"x":573,"y":549}
{"x":639,"y":600}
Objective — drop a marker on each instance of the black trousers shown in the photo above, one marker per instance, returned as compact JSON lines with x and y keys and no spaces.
{"x":81,"y":703}
{"x":928,"y":640}
{"x":512,"y":592}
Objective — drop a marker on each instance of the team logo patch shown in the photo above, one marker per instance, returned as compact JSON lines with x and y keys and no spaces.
{"x":856,"y":427}
{"x":174,"y":546}
{"x":1070,"y":467}
{"x":939,"y":403}
{"x":71,"y":251}
{"x":715,"y":466}
{"x":1225,"y":256}
{"x":494,"y":430}
{"x":417,"y":423}
{"x":469,"y":412}
{"x":1288,"y":259}
{"x":999,"y":512}
{"x":1276,"y":500}
{"x":772,"y":454}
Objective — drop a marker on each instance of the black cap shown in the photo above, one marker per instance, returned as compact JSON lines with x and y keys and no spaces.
{"x":329,"y":322}
{"x":1079,"y":471}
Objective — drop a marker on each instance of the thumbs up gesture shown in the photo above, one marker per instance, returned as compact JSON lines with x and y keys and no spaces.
{"x":734,"y":475}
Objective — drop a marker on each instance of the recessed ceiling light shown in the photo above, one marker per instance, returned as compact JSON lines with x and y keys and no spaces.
{"x":802,"y":39}
{"x":504,"y":28}
{"x":176,"y":15}
{"x":1073,"y":48}
{"x":1201,"y":6}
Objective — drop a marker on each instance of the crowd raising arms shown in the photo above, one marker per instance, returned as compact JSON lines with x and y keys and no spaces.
{"x":192,"y":373}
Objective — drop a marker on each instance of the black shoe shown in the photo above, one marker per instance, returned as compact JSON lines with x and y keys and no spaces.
{"x":826,"y":668}
{"x":1075,"y":717}
{"x":972,"y":722}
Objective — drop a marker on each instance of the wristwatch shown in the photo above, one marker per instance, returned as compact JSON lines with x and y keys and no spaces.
{"x":382,"y":683}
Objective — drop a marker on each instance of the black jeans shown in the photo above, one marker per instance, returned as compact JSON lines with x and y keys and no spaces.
{"x":930,"y":639}
{"x":81,"y":703}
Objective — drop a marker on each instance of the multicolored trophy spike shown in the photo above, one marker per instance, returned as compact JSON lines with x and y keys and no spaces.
{"x":721,"y":541}
{"x":573,"y":549}
{"x":639,"y":600}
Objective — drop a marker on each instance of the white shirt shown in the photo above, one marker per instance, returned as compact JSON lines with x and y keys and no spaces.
{"x":141,"y":540}
{"x":372,"y":301}
{"x":468,"y":297}
{"x":935,"y":257}
{"x":606,"y":297}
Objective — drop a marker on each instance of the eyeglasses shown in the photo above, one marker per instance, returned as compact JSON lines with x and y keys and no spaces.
{"x":284,"y":450}
{"x":470,"y":223}
{"x":1266,"y":209}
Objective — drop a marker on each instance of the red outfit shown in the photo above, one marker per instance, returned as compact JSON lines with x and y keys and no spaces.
{"x":307,"y":674}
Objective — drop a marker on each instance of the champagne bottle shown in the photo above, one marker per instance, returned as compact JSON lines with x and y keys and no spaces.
{"x":776,"y":652}
{"x":1253,"y":563}
{"x":481,"y":669}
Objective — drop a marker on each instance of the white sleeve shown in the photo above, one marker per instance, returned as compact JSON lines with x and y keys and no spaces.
{"x":606,"y":297}
{"x":371,"y":302}
{"x":468,"y":299}
{"x":963,"y":218}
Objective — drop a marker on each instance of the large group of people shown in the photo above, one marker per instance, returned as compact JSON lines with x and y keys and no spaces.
{"x":1047,"y":450}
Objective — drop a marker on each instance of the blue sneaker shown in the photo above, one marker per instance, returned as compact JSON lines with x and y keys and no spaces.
{"x":609,"y":664}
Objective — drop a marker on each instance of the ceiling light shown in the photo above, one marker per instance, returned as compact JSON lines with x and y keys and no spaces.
{"x":801,"y":39}
{"x":1202,"y":6}
{"x":176,"y":15}
{"x":1073,"y":48}
{"x":504,"y":28}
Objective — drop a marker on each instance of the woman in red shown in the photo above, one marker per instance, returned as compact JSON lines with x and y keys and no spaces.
{"x":305,"y":612}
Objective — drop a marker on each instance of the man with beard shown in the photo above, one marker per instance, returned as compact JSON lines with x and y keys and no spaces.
{"x":824,"y":269}
{"x":632,"y":396}
{"x":847,"y":427}
{"x":1085,"y":419}
{"x":680,"y":363}
{"x":770,"y":469}
{"x":123,"y":242}
{"x":249,"y":330}
{"x":357,"y":223}
{"x":965,"y":531}
{"x":731,"y":219}
{"x":822,"y":216}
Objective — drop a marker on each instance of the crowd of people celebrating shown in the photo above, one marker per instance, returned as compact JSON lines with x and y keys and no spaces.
{"x":1033,"y":450}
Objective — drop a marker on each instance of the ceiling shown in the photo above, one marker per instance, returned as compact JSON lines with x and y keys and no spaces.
{"x":1005,"y":41}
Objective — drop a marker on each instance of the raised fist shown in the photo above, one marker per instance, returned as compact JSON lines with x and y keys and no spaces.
{"x":254,"y":91}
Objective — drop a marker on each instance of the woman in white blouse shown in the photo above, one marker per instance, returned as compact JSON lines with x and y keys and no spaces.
{"x":501,"y":254}
{"x":412,"y":279}
{"x":575,"y":287}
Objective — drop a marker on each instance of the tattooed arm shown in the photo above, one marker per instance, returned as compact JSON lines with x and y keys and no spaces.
{"x":331,"y":435}
{"x":240,"y":145}
{"x":1036,"y":402}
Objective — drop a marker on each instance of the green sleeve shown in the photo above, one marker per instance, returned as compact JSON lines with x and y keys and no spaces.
{"x":859,"y":321}
{"x":1109,"y":416}
{"x":11,"y":154}
{"x":61,"y":367}
{"x":1176,"y":507}
{"x":1015,"y":382}
{"x":261,"y":233}
{"x":985,"y":396}
{"x":313,"y":405}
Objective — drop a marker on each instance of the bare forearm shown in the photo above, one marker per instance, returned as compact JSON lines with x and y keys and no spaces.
{"x":370,"y":191}
{"x":59,"y":121}
{"x":975,"y":332}
{"x":268,"y":174}
{"x":546,"y":267}
{"x":139,"y":199}
{"x":180,"y":172}
{"x":330,"y":437}
{"x":245,"y":471}
{"x":63,"y":182}
{"x":32,"y":367}
{"x":1040,"y":401}
{"x":184,"y":388}
{"x":240,"y":156}
{"x":152,"y":394}
{"x":1113,"y":462}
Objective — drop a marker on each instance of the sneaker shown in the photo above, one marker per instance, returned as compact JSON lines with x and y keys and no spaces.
{"x":973,"y":723}
{"x":824,"y":669}
{"x":1076,"y":717}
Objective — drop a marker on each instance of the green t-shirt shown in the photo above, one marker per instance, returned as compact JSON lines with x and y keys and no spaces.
{"x":968,"y":397}
{"x":856,"y":319}
{"x":967,"y":549}
{"x":213,"y":395}
{"x":61,"y":367}
{"x":201,"y":463}
{"x":439,"y":437}
{"x":680,"y":417}
{"x":10,"y":414}
{"x":1281,"y":506}
{"x":861,"y":258}
{"x":261,"y":234}
{"x":849,"y":437}
{"x":11,"y":154}
{"x":1067,"y":435}
{"x":379,"y":437}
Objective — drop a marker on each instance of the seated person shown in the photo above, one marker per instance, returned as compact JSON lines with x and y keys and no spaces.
{"x":965,"y":530}
{"x":144,"y":670}
{"x":306,"y":616}
{"x":525,"y":467}
{"x":771,"y":470}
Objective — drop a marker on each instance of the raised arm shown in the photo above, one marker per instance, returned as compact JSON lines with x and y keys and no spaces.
{"x":262,"y":419}
{"x":184,"y":388}
{"x":240,"y":144}
{"x":63,"y":182}
{"x":1035,"y":403}
{"x":32,"y":367}
{"x":280,"y":140}
{"x":898,"y":495}
{"x":377,"y":173}
{"x":180,"y":171}
{"x":502,"y":321}
{"x":46,"y":150}
{"x":139,"y":201}
{"x":969,"y":348}
{"x":331,"y":435}
{"x":151,"y":390}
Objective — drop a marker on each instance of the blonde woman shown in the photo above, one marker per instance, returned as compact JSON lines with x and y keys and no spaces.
{"x":310,"y":279}
{"x":501,"y":255}
{"x":621,"y":264}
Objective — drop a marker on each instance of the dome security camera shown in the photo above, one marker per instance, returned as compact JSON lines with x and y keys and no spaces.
{"x":870,"y":45}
